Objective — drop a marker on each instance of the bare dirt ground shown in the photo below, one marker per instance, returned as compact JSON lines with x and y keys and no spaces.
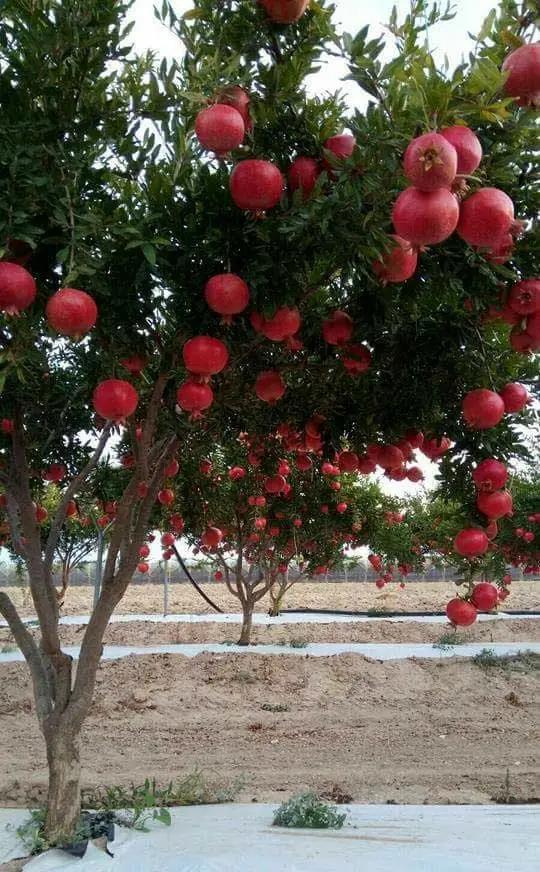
{"x":140,"y":633}
{"x":408,"y":731}
{"x":417,"y":596}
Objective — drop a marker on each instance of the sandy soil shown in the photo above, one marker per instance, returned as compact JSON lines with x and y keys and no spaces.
{"x":417,"y":596}
{"x":141,"y":633}
{"x":409,"y":731}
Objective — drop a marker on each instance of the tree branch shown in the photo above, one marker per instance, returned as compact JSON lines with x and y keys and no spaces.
{"x":32,"y":655}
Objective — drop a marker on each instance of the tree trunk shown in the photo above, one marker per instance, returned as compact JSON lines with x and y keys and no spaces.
{"x":64,"y":796}
{"x":245,"y":635}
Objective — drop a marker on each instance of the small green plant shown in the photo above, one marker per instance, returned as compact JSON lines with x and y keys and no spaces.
{"x":30,"y":832}
{"x":269,"y":707}
{"x":526,"y":661}
{"x":447,"y":641}
{"x":307,"y":811}
{"x":7,"y":649}
{"x":377,"y":613}
{"x":294,"y":643}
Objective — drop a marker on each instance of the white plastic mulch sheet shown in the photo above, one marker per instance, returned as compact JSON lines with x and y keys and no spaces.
{"x":385,"y":838}
{"x":374,"y":650}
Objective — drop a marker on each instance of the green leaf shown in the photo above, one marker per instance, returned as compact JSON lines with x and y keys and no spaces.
{"x":150,"y":253}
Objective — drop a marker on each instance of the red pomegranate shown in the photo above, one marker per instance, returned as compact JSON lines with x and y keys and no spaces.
{"x":41,"y":514}
{"x":524,"y":298}
{"x":236,"y":473}
{"x":166,"y":496}
{"x":270,"y":386}
{"x":303,"y":462}
{"x":398,"y":264}
{"x":71,"y":509}
{"x":482,"y":409}
{"x":172,"y":468}
{"x":143,"y":568}
{"x":239,"y":99}
{"x":471,"y":542}
{"x":415,"y":474}
{"x":522,"y":341}
{"x":341,"y":146}
{"x":212,"y":537}
{"x":303,"y":174}
{"x":490,"y":475}
{"x":425,"y":217}
{"x":195,"y":398}
{"x":485,"y":217}
{"x":338,"y":328}
{"x":274,"y":484}
{"x":115,"y":399}
{"x":348,"y":461}
{"x":430,"y":162}
{"x":168,"y":539}
{"x":17,"y":288}
{"x":284,"y":11}
{"x":533,"y":329}
{"x":205,"y":356}
{"x":226,"y":294}
{"x":7,"y":426}
{"x":144,"y":551}
{"x":134,"y":364}
{"x":56,"y":472}
{"x":356,"y":359}
{"x":71,"y":312}
{"x":390,"y":457}
{"x":467,"y":146}
{"x":514,"y":396}
{"x":495,"y":505}
{"x":484,"y":596}
{"x":220,"y":128}
{"x":177,"y":523}
{"x":341,"y":508}
{"x":461,"y":613}
{"x":523,"y":68}
{"x":282,"y":325}
{"x":415,"y":438}
{"x":256,"y":185}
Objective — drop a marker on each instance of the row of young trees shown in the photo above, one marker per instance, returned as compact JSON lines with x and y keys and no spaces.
{"x":124,"y":238}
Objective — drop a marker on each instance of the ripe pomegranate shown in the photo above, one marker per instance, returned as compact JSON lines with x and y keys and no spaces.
{"x":341,"y":508}
{"x":144,"y":551}
{"x":398,"y":264}
{"x":177,"y":523}
{"x":71,"y":509}
{"x":356,"y":359}
{"x":56,"y":472}
{"x":205,"y":356}
{"x":284,"y":11}
{"x":134,"y":364}
{"x":220,"y":128}
{"x":522,"y":341}
{"x":282,"y":325}
{"x":17,"y":288}
{"x":390,"y":457}
{"x":71,"y":312}
{"x":303,"y":462}
{"x":425,"y":217}
{"x":490,"y":475}
{"x":471,"y":542}
{"x":115,"y":399}
{"x":415,"y":474}
{"x":430,"y":162}
{"x":524,"y":298}
{"x":467,"y":146}
{"x":338,"y":328}
{"x":461,"y":613}
{"x":256,"y":185}
{"x":195,"y":398}
{"x":172,"y":468}
{"x":375,"y":561}
{"x":226,"y":294}
{"x":482,"y":409}
{"x":348,"y":461}
{"x":168,"y":539}
{"x":495,"y":505}
{"x":7,"y":425}
{"x":341,"y":146}
{"x":274,"y":484}
{"x":485,"y":217}
{"x":303,"y":174}
{"x":218,"y":575}
{"x":366,"y":465}
{"x":143,"y":568}
{"x":236,"y":473}
{"x":514,"y":396}
{"x":484,"y":596}
{"x":41,"y":514}
{"x":270,"y":386}
{"x":380,"y":583}
{"x":239,"y":99}
{"x":212,"y":537}
{"x":415,"y":438}
{"x":523,"y":68}
{"x":166,"y":496}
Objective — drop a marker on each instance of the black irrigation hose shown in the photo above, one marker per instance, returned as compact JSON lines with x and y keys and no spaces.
{"x":385,"y":614}
{"x":194,"y":583}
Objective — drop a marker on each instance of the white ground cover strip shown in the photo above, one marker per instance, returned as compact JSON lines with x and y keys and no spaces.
{"x":266,"y":621}
{"x":386,"y":838}
{"x":374,"y":650}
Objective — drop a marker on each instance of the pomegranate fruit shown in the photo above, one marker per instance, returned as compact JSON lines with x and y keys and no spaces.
{"x":430,"y":162}
{"x":226,"y":294}
{"x":236,"y":473}
{"x":522,"y":341}
{"x":282,"y":325}
{"x":256,"y":185}
{"x":71,"y":312}
{"x":523,"y":68}
{"x":284,"y":11}
{"x":341,"y":146}
{"x":490,"y":475}
{"x":166,"y":496}
{"x":434,"y":449}
{"x":356,"y":359}
{"x":115,"y":399}
{"x":390,"y":457}
{"x":484,"y":596}
{"x":495,"y":505}
{"x":144,"y":551}
{"x":303,"y":174}
{"x":524,"y":298}
{"x":467,"y":146}
{"x":205,"y":356}
{"x":514,"y":396}
{"x":168,"y":539}
{"x":482,"y":409}
{"x":338,"y":328}
{"x":461,"y":613}
{"x":171,"y":469}
{"x":425,"y":217}
{"x":41,"y":514}
{"x":134,"y":364}
{"x":485,"y":217}
{"x":398,"y":264}
{"x":143,"y":568}
{"x":239,"y":99}
{"x":270,"y":386}
{"x":17,"y":288}
{"x":220,"y":129}
{"x":341,"y":508}
{"x":471,"y":542}
{"x":275,"y":484}
{"x":56,"y":472}
{"x":348,"y":461}
{"x":194,"y":398}
{"x":415,"y":474}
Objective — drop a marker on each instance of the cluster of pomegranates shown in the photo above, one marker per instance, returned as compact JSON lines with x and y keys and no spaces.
{"x":483,"y":408}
